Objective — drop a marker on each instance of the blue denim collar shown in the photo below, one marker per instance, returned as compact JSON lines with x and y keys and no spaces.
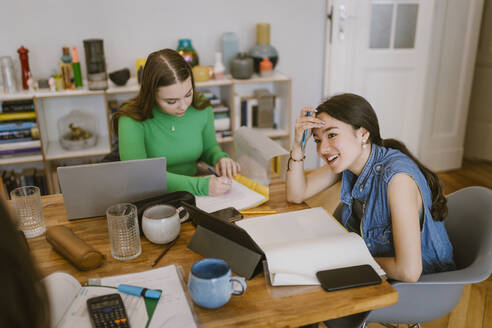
{"x":358,"y":190}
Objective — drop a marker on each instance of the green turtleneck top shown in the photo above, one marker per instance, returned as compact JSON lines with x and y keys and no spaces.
{"x":182,"y":140}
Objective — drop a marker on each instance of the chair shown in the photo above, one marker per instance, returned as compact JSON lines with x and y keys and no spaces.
{"x":469,"y":226}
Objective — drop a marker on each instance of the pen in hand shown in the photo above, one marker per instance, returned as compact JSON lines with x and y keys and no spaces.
{"x":211,"y":170}
{"x":304,"y":135}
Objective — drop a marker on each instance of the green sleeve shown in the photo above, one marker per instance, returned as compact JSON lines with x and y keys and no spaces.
{"x":195,"y":185}
{"x":132,"y":146}
{"x":211,"y":149}
{"x":131,"y":140}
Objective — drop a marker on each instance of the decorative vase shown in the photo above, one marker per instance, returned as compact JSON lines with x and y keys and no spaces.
{"x":263,"y":48}
{"x":186,"y":50}
{"x":242,"y":66}
{"x":230,"y":49}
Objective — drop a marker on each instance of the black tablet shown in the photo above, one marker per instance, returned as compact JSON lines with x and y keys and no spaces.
{"x":348,"y":277}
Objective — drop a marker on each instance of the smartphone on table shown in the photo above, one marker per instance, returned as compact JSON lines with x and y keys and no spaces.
{"x":348,"y":277}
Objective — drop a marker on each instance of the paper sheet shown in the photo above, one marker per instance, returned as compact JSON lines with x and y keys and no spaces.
{"x":173,"y":310}
{"x":300,"y":243}
{"x":240,"y":197}
{"x":68,"y":302}
{"x":254,"y":151}
{"x":78,"y":315}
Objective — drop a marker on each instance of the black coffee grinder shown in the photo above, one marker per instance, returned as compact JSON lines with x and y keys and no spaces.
{"x":97,"y":77}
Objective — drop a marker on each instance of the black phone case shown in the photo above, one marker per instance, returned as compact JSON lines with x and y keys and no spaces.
{"x":348,"y":277}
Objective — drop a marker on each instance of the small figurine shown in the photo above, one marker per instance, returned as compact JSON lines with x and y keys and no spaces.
{"x":51,"y":82}
{"x":77,"y":133}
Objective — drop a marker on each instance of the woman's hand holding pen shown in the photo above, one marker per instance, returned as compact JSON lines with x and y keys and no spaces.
{"x":305,"y":122}
{"x":227,"y":167}
{"x":219,"y":185}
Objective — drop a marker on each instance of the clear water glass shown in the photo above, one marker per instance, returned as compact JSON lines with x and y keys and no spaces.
{"x":124,"y":234}
{"x":29,"y":209}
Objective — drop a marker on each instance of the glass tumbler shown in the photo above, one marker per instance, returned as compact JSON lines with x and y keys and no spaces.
{"x":29,"y":210}
{"x":123,"y":230}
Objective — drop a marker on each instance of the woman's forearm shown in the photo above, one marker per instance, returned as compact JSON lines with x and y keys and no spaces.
{"x":296,"y":179}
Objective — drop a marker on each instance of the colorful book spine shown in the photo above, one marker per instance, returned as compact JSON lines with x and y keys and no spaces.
{"x":19,"y":134}
{"x":18,"y":125}
{"x":17,"y":116}
{"x":17,"y":106}
{"x":21,"y":144}
{"x":23,"y":151}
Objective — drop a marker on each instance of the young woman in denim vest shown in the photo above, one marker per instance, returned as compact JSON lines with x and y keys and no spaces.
{"x":389,"y":198}
{"x":393,"y":201}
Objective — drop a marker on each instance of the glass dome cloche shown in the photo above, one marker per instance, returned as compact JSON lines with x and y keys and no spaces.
{"x":77,"y":130}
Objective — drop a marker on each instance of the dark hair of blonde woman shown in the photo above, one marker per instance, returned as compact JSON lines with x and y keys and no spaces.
{"x":24,"y":302}
{"x":356,"y":111}
{"x":162,"y":68}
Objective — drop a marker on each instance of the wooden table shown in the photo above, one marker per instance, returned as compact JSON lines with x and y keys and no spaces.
{"x":260,"y":306}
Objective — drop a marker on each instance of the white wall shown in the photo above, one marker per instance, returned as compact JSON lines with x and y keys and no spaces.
{"x":133,"y":29}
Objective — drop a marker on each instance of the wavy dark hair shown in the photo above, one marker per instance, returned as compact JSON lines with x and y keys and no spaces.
{"x":162,"y":68}
{"x":356,"y":111}
{"x":24,"y":301}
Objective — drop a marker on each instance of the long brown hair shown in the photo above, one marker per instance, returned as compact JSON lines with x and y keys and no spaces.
{"x":162,"y":68}
{"x":24,"y":301}
{"x":356,"y":111}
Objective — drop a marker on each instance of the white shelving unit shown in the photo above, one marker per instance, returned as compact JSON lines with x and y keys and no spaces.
{"x":51,"y":106}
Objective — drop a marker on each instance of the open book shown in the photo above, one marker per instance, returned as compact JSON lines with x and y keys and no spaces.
{"x":244,"y":193}
{"x":69,"y":308}
{"x":298,"y":244}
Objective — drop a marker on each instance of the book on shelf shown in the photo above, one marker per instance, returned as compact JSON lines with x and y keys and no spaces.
{"x":258,"y":111}
{"x":20,"y":152}
{"x":27,"y":177}
{"x":18,"y":125}
{"x":16,"y":106}
{"x":68,"y":299}
{"x":298,"y":244}
{"x":17,"y":116}
{"x":20,"y":145}
{"x":32,"y":133}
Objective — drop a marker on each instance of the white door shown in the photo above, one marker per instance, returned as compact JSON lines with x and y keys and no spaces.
{"x":413,"y":61}
{"x":379,"y":49}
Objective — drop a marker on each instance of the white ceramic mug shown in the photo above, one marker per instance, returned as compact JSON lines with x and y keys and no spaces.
{"x":161,"y":223}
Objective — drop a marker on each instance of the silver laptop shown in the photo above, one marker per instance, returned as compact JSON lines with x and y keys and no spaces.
{"x":88,"y":190}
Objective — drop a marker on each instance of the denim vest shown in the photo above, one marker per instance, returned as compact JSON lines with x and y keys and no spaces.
{"x":371,"y":187}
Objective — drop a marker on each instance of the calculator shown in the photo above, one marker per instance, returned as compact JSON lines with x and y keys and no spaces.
{"x":107,"y":311}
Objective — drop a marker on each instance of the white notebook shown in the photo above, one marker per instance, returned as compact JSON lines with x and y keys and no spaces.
{"x":298,"y":244}
{"x":239,"y":196}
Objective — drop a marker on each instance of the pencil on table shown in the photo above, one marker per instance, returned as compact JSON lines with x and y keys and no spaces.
{"x":258,"y":212}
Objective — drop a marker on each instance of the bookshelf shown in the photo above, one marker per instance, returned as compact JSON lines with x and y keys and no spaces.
{"x":51,"y":106}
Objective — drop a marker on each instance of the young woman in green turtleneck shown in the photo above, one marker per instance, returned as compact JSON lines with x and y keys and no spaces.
{"x":168,"y":118}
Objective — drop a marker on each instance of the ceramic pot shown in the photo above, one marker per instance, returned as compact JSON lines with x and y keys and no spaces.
{"x":242,"y":66}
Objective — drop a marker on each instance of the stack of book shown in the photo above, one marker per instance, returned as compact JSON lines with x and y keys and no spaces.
{"x":27,"y":177}
{"x":258,"y":110}
{"x":222,"y":119}
{"x":19,"y":133}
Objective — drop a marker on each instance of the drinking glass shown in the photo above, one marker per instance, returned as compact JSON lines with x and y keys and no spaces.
{"x":29,"y":210}
{"x":123,"y":230}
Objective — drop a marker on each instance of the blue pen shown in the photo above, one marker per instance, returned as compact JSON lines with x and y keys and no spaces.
{"x":304,"y":135}
{"x":139,"y":291}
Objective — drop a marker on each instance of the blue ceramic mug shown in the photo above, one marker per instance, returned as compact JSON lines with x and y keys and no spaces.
{"x":211,"y":284}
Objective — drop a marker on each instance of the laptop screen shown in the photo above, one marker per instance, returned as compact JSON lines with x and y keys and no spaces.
{"x":88,"y":190}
